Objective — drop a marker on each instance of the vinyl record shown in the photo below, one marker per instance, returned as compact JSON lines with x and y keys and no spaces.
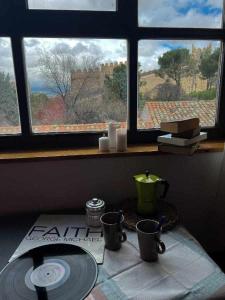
{"x":52,"y":272}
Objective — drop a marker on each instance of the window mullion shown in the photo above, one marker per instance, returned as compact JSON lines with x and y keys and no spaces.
{"x":133,"y":85}
{"x":131,"y":23}
{"x":221,"y":104}
{"x":20,"y":74}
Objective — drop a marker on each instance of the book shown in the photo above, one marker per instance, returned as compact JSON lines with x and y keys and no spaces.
{"x":168,"y":139}
{"x":188,"y":134}
{"x":179,"y":126}
{"x":67,"y":229}
{"x":188,"y":150}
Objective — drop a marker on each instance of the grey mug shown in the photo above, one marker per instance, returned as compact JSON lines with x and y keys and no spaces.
{"x":150,"y":245}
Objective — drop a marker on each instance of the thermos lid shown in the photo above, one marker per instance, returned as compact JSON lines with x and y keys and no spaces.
{"x":95,"y":204}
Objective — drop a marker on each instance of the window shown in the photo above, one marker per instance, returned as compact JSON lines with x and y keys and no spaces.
{"x":72,"y":66}
{"x":101,"y":5}
{"x":9,"y":112}
{"x":176,"y":13}
{"x":178,"y":79}
{"x":76,"y":84}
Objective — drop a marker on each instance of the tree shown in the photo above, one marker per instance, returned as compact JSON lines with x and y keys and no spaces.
{"x":8,"y":101}
{"x":117,"y":84}
{"x":57,"y":68}
{"x":209,"y":65}
{"x":37,"y":103}
{"x":174,"y":64}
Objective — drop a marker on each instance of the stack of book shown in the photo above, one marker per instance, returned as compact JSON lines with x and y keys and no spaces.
{"x":183,"y":138}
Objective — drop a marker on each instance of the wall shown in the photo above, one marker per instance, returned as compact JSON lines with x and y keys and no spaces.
{"x":39,"y":186}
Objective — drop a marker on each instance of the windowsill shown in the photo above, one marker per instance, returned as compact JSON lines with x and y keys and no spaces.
{"x":81,"y":153}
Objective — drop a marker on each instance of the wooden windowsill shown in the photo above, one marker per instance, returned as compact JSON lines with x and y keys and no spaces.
{"x":133,"y":150}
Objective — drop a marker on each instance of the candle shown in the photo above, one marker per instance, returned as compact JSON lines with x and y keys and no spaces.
{"x":121,"y":139}
{"x":103,"y":144}
{"x":112,"y":135}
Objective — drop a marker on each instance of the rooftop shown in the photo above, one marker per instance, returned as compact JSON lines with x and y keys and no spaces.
{"x":153,"y":113}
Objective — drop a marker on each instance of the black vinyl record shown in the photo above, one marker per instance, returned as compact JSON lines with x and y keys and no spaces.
{"x":52,"y":272}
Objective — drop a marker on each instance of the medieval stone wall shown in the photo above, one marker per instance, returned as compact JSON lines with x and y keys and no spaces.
{"x":91,"y":82}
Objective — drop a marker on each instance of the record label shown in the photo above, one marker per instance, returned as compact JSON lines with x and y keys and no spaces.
{"x":50,"y":275}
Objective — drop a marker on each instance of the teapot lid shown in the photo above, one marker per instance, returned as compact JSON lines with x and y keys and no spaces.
{"x":146,"y":178}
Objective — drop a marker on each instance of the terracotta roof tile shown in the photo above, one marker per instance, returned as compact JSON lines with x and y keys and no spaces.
{"x":153,"y":113}
{"x":157,"y":111}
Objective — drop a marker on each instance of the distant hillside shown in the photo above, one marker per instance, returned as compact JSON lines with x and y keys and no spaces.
{"x":35,"y":89}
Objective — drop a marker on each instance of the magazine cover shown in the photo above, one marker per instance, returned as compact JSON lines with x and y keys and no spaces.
{"x":68,"y":229}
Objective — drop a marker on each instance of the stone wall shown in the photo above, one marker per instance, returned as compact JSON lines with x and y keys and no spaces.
{"x":91,"y":82}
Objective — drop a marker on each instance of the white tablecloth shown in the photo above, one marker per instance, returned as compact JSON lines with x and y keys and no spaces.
{"x":184,"y":271}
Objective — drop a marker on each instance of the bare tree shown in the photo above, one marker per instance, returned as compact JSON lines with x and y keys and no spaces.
{"x":57,"y":68}
{"x":82,"y":92}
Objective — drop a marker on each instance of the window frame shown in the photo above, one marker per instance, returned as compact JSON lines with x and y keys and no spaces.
{"x":20,"y":22}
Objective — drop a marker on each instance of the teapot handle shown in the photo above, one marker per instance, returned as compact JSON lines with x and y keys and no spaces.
{"x":166,"y":187}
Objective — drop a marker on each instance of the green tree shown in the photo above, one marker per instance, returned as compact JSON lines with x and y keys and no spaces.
{"x":117,"y":83}
{"x":8,"y":101}
{"x":209,"y":65}
{"x":174,"y":64}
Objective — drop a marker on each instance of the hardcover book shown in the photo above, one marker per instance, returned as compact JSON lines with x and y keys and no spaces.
{"x":188,"y":150}
{"x":188,"y":134}
{"x":67,"y":229}
{"x":168,"y":139}
{"x":180,"y":125}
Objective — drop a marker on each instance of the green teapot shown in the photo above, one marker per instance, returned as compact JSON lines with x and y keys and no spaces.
{"x":150,"y":188}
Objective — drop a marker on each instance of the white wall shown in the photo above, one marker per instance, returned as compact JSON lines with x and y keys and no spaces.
{"x":45,"y":185}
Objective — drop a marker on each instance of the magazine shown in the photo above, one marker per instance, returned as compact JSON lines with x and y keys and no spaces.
{"x":68,"y":229}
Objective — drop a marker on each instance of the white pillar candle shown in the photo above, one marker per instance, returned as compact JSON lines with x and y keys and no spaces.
{"x":103,"y":144}
{"x":112,"y":135}
{"x":121,"y":139}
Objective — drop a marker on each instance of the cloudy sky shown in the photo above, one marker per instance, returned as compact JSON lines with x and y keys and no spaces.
{"x":104,"y":5}
{"x":181,"y":13}
{"x":173,"y":13}
{"x":177,"y":13}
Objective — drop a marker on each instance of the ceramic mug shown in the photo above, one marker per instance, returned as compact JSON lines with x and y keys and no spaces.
{"x":112,"y":230}
{"x":150,"y":245}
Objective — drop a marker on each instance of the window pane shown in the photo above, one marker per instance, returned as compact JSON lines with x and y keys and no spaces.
{"x":179,"y":13}
{"x":9,"y":113}
{"x":177,"y":80}
{"x":99,"y":5}
{"x":76,"y":84}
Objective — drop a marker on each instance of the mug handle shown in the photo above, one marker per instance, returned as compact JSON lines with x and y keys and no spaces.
{"x":166,"y":187}
{"x":161,"y":248}
{"x":123,"y":237}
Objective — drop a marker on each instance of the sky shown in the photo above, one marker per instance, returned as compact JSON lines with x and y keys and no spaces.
{"x":181,"y":13}
{"x":104,"y":5}
{"x":173,"y":13}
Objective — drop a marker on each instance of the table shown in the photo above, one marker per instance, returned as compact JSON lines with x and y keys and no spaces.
{"x":185,"y":271}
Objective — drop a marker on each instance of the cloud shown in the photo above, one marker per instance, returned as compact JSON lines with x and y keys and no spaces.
{"x":104,"y":50}
{"x":87,"y":48}
{"x":31,"y":42}
{"x":6,"y":61}
{"x":180,"y":13}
